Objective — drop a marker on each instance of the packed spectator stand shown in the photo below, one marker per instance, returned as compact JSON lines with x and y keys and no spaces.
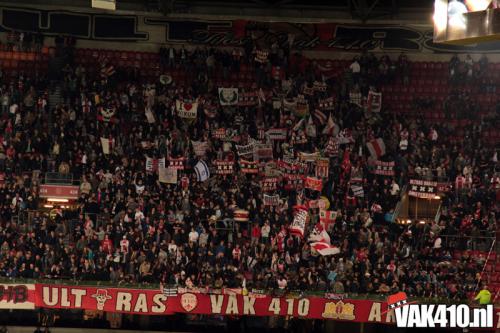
{"x":438,"y":121}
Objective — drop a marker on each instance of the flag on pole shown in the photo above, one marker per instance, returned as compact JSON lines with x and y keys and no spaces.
{"x":202,"y":171}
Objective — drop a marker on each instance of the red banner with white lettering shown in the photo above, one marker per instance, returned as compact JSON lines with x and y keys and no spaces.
{"x":225,"y":302}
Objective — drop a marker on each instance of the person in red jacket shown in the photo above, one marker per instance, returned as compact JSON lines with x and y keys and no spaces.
{"x":255,"y":234}
{"x":107,"y":244}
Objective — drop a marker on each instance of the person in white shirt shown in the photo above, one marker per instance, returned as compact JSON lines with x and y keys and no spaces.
{"x":355,"y":70}
{"x":193,"y":236}
{"x":265,"y":230}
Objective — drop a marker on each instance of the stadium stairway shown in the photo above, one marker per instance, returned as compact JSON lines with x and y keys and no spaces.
{"x":55,"y":96}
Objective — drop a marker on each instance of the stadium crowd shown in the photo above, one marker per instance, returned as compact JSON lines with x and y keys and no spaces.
{"x":130,"y":227}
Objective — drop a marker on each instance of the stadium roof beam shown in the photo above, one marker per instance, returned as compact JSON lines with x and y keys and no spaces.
{"x":366,"y":9}
{"x":293,"y":11}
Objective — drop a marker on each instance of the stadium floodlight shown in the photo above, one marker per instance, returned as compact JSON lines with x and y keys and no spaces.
{"x":104,"y":4}
{"x":466,"y":21}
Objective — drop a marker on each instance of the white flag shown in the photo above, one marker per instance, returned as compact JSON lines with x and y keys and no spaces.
{"x":202,"y":171}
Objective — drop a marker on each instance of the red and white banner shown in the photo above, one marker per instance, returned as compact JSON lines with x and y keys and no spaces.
{"x":327,"y":104}
{"x":219,"y":133}
{"x":241,"y":215}
{"x":194,"y":301}
{"x":314,"y":184}
{"x":332,"y":147}
{"x":262,"y":152}
{"x":376,"y":148}
{"x":277,"y":134}
{"x":299,"y":221}
{"x":153,"y":164}
{"x":177,"y":163}
{"x":271,"y":200}
{"x":123,"y":300}
{"x":322,"y":166}
{"x":17,"y":296}
{"x":249,"y":166}
{"x":269,"y":184}
{"x":248,"y":98}
{"x":292,"y":182}
{"x":384,"y":168}
{"x":223,"y":167}
{"x":422,"y":189}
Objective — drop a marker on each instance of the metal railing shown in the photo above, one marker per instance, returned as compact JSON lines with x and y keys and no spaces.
{"x":58,"y":178}
{"x":461,"y":242}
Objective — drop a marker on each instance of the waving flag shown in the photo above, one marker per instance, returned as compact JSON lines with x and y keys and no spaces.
{"x":202,"y":171}
{"x":327,"y":217}
{"x":319,"y":234}
{"x":325,"y":249}
{"x":376,"y":148}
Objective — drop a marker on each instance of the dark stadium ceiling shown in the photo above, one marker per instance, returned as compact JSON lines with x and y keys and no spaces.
{"x":313,"y":10}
